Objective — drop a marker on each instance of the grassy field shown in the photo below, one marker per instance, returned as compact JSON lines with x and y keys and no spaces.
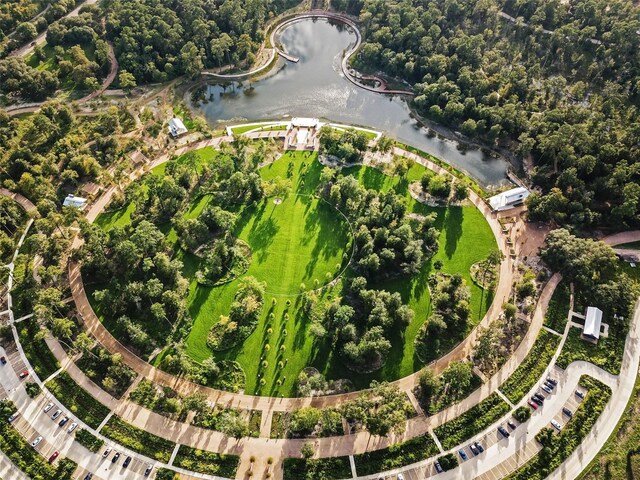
{"x":303,"y":240}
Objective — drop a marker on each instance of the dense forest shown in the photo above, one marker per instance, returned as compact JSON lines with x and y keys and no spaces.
{"x":560,"y":86}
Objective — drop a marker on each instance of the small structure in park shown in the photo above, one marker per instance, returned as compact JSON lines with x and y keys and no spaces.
{"x":509,"y":199}
{"x":591,"y":331}
{"x":75,"y":202}
{"x":176,"y":127}
{"x":302,"y":134}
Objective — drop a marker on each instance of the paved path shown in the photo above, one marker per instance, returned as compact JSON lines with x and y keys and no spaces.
{"x":106,"y":83}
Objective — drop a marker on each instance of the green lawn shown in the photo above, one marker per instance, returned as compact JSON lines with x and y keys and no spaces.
{"x":246,"y":128}
{"x":303,"y":240}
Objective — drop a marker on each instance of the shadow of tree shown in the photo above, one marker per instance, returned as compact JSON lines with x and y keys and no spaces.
{"x":453,"y":229}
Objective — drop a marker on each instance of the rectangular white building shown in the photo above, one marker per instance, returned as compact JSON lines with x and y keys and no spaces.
{"x":75,"y":202}
{"x":509,"y":199}
{"x":592,"y":323}
{"x":176,"y":127}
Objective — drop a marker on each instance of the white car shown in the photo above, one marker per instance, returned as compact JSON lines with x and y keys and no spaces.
{"x":400,"y":476}
{"x":546,"y":389}
{"x":13,"y":417}
{"x":106,"y":452}
{"x":36,"y":442}
{"x":72,"y":427}
{"x":56,"y":414}
{"x":48,"y":407}
{"x":556,"y":424}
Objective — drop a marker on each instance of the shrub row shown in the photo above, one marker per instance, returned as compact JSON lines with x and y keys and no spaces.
{"x":557,"y":448}
{"x":558,"y":309}
{"x":411,"y":451}
{"x":138,"y":440}
{"x":89,"y":440}
{"x":209,"y":463}
{"x":79,"y":402}
{"x":472,"y":421}
{"x":44,"y":363}
{"x":314,"y":469}
{"x":607,"y":354}
{"x":530,"y":370}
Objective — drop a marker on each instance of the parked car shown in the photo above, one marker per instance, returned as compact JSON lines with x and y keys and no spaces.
{"x":512,"y":425}
{"x":533,"y":404}
{"x":473,"y":449}
{"x":580,"y":393}
{"x":503,"y":431}
{"x":400,"y":476}
{"x":438,"y":467}
{"x":63,"y":422}
{"x":539,"y":396}
{"x":567,"y":412}
{"x":150,"y":467}
{"x":56,"y":414}
{"x":126,"y":462}
{"x":463,"y":454}
{"x":36,"y":442}
{"x":48,"y":407}
{"x":556,"y":424}
{"x":479,"y":447}
{"x":23,"y":374}
{"x":3,"y":360}
{"x":545,"y":388}
{"x":550,"y":385}
{"x":13,"y":417}
{"x":72,"y":427}
{"x":552,"y":381}
{"x":115,"y":458}
{"x":106,"y":452}
{"x":88,"y":476}
{"x":53,"y":457}
{"x":537,"y":400}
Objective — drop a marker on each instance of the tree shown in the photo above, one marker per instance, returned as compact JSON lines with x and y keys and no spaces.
{"x":456,"y":378}
{"x":191,"y":60}
{"x":308,"y":450}
{"x":303,"y":421}
{"x":429,"y":384}
{"x":233,"y":425}
{"x":126,"y":80}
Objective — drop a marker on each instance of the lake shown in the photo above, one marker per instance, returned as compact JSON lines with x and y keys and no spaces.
{"x":315,"y":87}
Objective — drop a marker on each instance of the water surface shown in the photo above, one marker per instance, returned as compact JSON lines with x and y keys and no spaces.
{"x":315,"y":87}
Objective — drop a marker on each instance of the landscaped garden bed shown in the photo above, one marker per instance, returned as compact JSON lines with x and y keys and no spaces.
{"x":336,"y":468}
{"x":472,"y":422}
{"x":558,"y":309}
{"x":89,"y":440}
{"x":607,"y":354}
{"x":77,"y":400}
{"x":42,"y":360}
{"x":209,"y":463}
{"x":532,"y":367}
{"x":399,"y":455}
{"x":138,"y":440}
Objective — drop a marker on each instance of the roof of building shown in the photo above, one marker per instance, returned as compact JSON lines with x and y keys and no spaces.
{"x":73,"y":201}
{"x":509,"y":198}
{"x":176,"y":127}
{"x":592,"y":322}
{"x":91,"y":188}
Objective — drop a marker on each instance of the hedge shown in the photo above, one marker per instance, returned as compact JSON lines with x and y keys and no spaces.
{"x":89,"y":440}
{"x":37,"y":351}
{"x":558,"y":309}
{"x":399,"y":455}
{"x":138,"y":440}
{"x":209,"y":463}
{"x":532,"y":368}
{"x":79,"y":402}
{"x":473,"y":421}
{"x":607,"y":354}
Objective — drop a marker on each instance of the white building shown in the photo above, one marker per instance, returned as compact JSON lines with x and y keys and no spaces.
{"x":176,"y":127}
{"x":75,"y":202}
{"x":509,"y":199}
{"x":592,"y":323}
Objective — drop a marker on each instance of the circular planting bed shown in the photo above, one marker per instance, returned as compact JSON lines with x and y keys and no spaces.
{"x":286,"y":267}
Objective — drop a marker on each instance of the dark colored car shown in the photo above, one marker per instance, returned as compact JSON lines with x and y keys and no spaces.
{"x":126,"y":462}
{"x":552,"y":381}
{"x":473,"y":449}
{"x":463,"y":454}
{"x":148,"y":470}
{"x":115,"y":457}
{"x":503,"y":431}
{"x":512,"y":425}
{"x":580,"y":393}
{"x":3,"y":360}
{"x":539,"y":396}
{"x":479,"y":447}
{"x":63,"y":422}
{"x":88,"y":476}
{"x":549,"y":384}
{"x":439,"y":468}
{"x":537,"y":400}
{"x":567,"y":412}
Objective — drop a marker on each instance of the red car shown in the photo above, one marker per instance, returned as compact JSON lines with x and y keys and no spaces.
{"x":23,"y":374}
{"x":533,"y":404}
{"x":54,"y":456}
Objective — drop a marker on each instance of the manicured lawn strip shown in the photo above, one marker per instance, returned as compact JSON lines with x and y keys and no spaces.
{"x":558,"y":310}
{"x":322,"y":468}
{"x":27,"y":459}
{"x":138,"y":440}
{"x":89,"y":440}
{"x":607,"y":354}
{"x":557,"y":448}
{"x":77,"y":400}
{"x":246,"y":128}
{"x":471,"y":422}
{"x":399,"y":455}
{"x":530,"y":370}
{"x":209,"y":463}
{"x":35,"y":348}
